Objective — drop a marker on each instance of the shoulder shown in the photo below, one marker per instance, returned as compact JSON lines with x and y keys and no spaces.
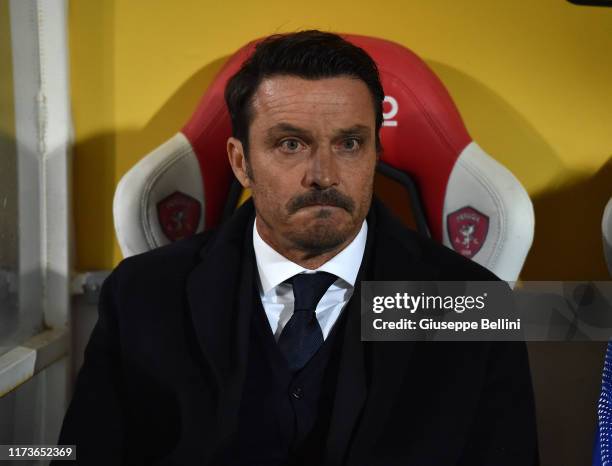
{"x":160,"y":271}
{"x":439,"y":262}
{"x":162,"y":266}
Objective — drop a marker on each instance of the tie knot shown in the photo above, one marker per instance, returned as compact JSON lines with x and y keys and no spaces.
{"x":309,"y":288}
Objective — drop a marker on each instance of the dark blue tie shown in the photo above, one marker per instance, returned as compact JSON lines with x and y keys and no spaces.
{"x":302,"y":336}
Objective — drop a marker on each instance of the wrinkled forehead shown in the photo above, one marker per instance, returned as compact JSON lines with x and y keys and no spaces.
{"x":323,"y":103}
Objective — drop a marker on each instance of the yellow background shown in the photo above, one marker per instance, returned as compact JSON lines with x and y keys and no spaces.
{"x":8,"y":156}
{"x":532,"y":80}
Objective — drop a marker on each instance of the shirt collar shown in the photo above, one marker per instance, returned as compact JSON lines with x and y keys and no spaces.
{"x":274,"y":268}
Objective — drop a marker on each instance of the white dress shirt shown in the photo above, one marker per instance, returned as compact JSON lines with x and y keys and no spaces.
{"x":277,"y":297}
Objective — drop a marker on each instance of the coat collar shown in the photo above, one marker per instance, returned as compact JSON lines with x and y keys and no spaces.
{"x":369,"y":373}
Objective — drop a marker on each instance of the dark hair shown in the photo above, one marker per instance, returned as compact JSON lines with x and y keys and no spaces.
{"x":306,"y":54}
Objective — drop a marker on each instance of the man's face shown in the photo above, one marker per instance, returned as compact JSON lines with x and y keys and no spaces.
{"x":311,"y":161}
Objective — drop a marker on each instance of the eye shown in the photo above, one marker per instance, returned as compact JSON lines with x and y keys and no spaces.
{"x":290,"y":146}
{"x":350,"y":144}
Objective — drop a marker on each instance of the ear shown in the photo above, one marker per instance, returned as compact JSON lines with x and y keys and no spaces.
{"x":235,"y":154}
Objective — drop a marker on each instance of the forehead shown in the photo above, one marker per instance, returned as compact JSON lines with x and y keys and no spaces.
{"x":324,"y":103}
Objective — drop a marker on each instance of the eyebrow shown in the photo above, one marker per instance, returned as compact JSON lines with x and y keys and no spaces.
{"x":284,"y":128}
{"x":356,"y":130}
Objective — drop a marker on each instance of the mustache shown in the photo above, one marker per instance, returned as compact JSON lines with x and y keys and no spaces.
{"x":331,"y":197}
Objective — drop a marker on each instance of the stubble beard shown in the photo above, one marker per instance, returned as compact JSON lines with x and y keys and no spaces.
{"x":326,"y":235}
{"x":322,"y":237}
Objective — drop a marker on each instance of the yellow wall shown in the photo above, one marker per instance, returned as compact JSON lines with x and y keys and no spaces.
{"x":531,"y":78}
{"x":7,"y":118}
{"x":8,"y":156}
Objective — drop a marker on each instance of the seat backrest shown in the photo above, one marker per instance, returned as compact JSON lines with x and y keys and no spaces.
{"x":606,"y":229}
{"x":602,"y":450}
{"x":471,"y":202}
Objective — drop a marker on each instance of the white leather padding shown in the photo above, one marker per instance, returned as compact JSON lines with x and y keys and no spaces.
{"x":480,"y":182}
{"x":171,"y":167}
{"x":606,"y":227}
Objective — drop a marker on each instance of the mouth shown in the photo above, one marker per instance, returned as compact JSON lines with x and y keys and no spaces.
{"x":322,"y":211}
{"x":321,"y":206}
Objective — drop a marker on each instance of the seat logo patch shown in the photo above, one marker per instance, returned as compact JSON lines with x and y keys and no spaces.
{"x":467,"y":230}
{"x":179,"y":215}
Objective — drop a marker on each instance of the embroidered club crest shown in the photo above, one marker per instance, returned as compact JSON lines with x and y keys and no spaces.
{"x":179,"y":215}
{"x":467,"y":230}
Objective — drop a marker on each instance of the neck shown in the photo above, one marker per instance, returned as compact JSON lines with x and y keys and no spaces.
{"x":308,"y":259}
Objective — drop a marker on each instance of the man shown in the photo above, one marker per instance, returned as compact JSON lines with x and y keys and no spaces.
{"x":242,"y":346}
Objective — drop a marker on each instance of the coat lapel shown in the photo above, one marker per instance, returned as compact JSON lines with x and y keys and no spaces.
{"x":219,"y":292}
{"x":371,"y":372}
{"x":350,"y":385}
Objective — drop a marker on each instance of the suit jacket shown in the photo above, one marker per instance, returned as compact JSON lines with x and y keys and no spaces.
{"x":163,"y":371}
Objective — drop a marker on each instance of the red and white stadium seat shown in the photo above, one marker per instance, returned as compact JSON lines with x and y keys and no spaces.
{"x":606,"y":228}
{"x":471,"y":203}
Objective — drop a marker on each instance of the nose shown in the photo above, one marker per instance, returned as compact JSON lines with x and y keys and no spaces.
{"x":321,"y":171}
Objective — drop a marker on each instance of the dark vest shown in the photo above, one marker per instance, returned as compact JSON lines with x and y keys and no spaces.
{"x":284,"y":417}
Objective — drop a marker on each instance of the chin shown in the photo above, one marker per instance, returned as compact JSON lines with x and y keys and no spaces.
{"x":323,"y":236}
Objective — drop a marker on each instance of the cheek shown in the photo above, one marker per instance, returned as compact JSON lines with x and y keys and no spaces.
{"x":358,"y":180}
{"x":277,"y":182}
{"x":271,"y":193}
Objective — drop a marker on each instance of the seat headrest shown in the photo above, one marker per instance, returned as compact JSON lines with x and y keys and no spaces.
{"x":423,"y":136}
